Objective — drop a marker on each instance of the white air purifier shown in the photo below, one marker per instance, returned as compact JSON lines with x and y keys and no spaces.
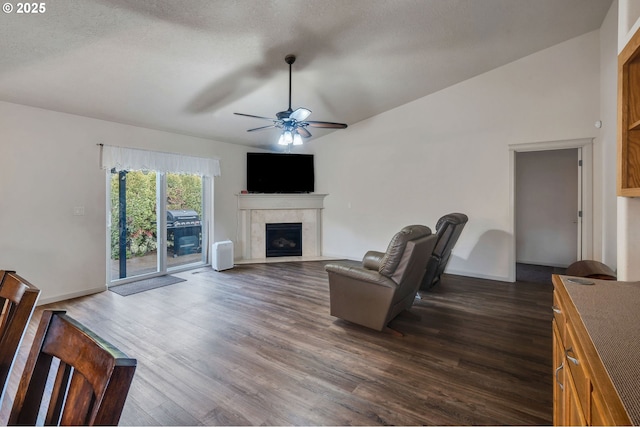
{"x":222,"y":255}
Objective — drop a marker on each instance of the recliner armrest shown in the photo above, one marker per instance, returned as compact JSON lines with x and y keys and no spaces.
{"x":372,"y":260}
{"x":360,"y":274}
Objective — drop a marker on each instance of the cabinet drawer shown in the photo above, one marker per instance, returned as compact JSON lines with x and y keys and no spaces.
{"x":558,"y":314}
{"x":575,"y":362}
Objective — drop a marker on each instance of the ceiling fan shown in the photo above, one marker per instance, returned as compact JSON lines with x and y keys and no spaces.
{"x":293,"y":122}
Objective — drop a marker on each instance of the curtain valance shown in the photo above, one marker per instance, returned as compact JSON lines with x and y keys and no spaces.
{"x":122,"y":158}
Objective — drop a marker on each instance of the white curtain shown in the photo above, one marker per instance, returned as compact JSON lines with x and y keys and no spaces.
{"x":122,"y":158}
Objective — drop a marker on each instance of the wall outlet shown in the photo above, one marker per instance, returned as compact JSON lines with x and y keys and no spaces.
{"x":78,"y":210}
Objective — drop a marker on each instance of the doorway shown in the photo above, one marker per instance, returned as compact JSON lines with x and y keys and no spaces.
{"x":550,"y":205}
{"x":156,"y":224}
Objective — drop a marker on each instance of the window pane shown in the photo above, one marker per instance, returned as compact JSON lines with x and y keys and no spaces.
{"x":184,"y":219}
{"x":134,"y":239}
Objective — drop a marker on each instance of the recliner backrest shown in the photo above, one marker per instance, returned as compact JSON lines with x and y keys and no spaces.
{"x":448,"y":229}
{"x":412,"y":266}
{"x":395,"y":253}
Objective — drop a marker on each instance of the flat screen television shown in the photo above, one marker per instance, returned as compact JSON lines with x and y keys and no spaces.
{"x":280,"y":173}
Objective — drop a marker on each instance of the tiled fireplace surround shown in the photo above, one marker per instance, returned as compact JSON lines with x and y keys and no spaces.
{"x":256,"y":210}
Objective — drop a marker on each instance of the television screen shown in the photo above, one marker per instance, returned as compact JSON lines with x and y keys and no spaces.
{"x":280,"y":173}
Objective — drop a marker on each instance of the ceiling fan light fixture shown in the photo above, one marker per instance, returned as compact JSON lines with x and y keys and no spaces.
{"x":287,"y":137}
{"x":293,"y":122}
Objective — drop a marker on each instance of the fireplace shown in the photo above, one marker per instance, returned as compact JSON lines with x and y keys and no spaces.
{"x":283,"y":239}
{"x":257,"y":210}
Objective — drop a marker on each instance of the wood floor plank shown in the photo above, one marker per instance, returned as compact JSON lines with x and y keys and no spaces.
{"x":255,"y":345}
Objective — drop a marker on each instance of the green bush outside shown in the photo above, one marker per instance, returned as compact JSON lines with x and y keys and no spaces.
{"x":183,"y":192}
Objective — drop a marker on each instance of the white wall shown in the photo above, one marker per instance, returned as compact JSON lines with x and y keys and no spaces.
{"x":605,"y":147}
{"x":449,"y":152}
{"x":547,"y":207}
{"x":49,"y":163}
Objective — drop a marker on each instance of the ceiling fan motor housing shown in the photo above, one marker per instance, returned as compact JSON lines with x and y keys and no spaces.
{"x":284,"y":114}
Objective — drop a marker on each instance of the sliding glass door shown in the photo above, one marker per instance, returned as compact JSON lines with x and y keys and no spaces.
{"x":156,"y":223}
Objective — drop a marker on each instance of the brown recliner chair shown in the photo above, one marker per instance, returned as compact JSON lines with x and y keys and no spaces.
{"x":386,"y":284}
{"x":448,"y":229}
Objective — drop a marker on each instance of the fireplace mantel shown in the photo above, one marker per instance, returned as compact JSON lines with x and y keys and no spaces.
{"x":256,"y":210}
{"x":281,"y":201}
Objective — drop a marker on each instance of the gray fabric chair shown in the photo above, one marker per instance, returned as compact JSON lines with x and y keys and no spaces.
{"x":448,"y":229}
{"x":375,"y":293}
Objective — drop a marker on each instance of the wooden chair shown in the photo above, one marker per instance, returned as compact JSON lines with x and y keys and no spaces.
{"x":17,"y":301}
{"x":91,"y":383}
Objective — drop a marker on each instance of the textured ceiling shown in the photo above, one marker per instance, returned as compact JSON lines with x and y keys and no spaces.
{"x":186,"y":66}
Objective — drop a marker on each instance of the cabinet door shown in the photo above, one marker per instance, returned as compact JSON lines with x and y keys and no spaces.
{"x":574,"y":413}
{"x":598,"y":417}
{"x":558,"y":379}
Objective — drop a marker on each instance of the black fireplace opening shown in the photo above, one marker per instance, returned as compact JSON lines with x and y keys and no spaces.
{"x":284,"y":239}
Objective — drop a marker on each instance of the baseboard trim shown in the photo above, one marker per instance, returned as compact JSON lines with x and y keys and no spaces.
{"x":339,"y":257}
{"x":542,"y":263}
{"x":478,"y":275}
{"x":283,"y":259}
{"x":64,"y":297}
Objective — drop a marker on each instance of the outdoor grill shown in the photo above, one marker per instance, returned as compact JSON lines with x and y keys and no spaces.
{"x":184,"y":229}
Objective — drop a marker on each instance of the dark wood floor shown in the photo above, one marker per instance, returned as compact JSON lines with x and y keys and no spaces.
{"x":256,"y":345}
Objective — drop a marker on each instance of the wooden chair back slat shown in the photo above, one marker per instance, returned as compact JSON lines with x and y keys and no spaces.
{"x":82,"y":399}
{"x":56,"y":400}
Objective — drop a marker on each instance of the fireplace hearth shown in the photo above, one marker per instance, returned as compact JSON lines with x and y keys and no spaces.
{"x":283,"y":239}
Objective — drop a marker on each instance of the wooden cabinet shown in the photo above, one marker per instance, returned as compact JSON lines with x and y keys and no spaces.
{"x":567,"y":401}
{"x":629,"y":118}
{"x":583,"y":393}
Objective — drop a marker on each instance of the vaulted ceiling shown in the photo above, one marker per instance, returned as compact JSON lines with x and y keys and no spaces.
{"x":186,"y":66}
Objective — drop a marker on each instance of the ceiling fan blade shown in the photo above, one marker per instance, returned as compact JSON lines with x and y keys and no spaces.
{"x":330,"y":125}
{"x":262,"y":128}
{"x":304,"y":132}
{"x":300,"y":114}
{"x":255,"y":117}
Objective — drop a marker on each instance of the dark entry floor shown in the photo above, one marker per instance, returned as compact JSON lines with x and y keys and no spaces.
{"x":536,"y":273}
